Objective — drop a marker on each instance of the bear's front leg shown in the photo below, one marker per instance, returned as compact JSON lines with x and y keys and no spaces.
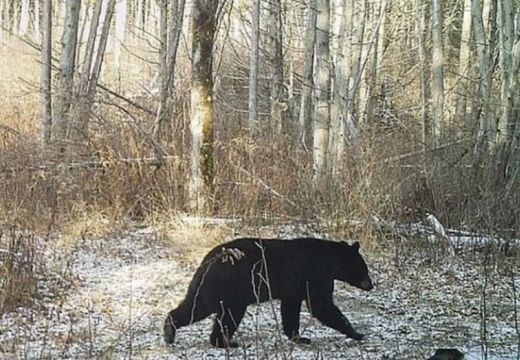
{"x":329,"y":315}
{"x":186,"y":313}
{"x":224,"y":327}
{"x":291,"y":320}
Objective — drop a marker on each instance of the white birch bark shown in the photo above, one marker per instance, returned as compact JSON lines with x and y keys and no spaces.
{"x":484,"y":67}
{"x":278,"y":93}
{"x":23,"y":26}
{"x":322,"y":102}
{"x":341,"y":77}
{"x":420,"y":29}
{"x":119,"y":31}
{"x":506,"y":32}
{"x":464,"y":62}
{"x":2,"y":22}
{"x":36,"y":20}
{"x":46,"y":72}
{"x":65,"y":82}
{"x":437,"y":73}
{"x":253,"y":65}
{"x":170,"y":37}
{"x":308,"y":77}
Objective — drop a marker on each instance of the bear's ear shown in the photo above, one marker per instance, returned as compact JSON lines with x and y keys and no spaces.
{"x":355,"y":246}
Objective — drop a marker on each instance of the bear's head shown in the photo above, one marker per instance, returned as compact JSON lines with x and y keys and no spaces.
{"x":353,"y":268}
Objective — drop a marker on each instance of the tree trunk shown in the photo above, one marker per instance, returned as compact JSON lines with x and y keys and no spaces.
{"x":464,"y":64}
{"x":484,"y":67}
{"x":174,"y":35}
{"x":3,"y":22}
{"x":203,"y":29}
{"x":322,"y":102}
{"x":46,"y":72}
{"x":308,"y":77}
{"x":83,"y":105}
{"x":168,"y":61}
{"x":37,"y":11}
{"x":506,"y":163}
{"x":341,"y":76}
{"x":65,"y":84}
{"x":23,"y":26}
{"x":278,"y":92}
{"x":90,"y":48}
{"x":420,"y":29}
{"x":437,"y":73}
{"x":120,"y":25}
{"x":505,"y":27}
{"x":253,"y":65}
{"x":357,"y":64}
{"x":377,"y":56}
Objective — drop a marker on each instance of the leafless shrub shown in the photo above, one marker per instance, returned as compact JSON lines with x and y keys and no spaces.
{"x":19,"y":264}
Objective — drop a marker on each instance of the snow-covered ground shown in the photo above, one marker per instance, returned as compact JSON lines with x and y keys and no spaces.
{"x":120,"y":289}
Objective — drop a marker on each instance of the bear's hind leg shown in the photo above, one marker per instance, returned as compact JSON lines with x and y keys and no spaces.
{"x":225,"y":325}
{"x":291,"y":320}
{"x":186,"y":313}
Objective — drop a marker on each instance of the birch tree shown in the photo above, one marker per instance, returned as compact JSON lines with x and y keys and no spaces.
{"x":507,"y":162}
{"x":308,"y":77}
{"x":464,"y":62}
{"x":24,"y":18}
{"x":201,"y":179}
{"x":171,"y":33}
{"x":341,"y":78}
{"x":65,"y":82}
{"x":119,"y":31}
{"x":46,"y":72}
{"x":420,"y":28}
{"x":278,"y":92}
{"x":91,"y":73}
{"x":437,"y":73}
{"x":322,"y":102}
{"x":253,"y":65}
{"x":506,"y":31}
{"x":484,"y":69}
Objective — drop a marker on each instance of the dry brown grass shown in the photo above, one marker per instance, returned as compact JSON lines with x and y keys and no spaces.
{"x":19,"y":267}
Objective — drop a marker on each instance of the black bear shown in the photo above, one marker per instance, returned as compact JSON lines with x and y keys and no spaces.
{"x":247,"y":271}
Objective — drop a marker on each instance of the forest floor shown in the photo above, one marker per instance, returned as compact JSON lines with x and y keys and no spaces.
{"x":107,"y":298}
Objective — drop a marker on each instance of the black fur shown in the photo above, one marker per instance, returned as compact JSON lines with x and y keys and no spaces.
{"x":236,"y":274}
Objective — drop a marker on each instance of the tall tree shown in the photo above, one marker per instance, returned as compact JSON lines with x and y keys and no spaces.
{"x":322,"y":102}
{"x":253,"y":65}
{"x":90,"y":77}
{"x":23,"y":25}
{"x":65,"y":83}
{"x":420,"y":28}
{"x":484,"y":69}
{"x":46,"y":72}
{"x":464,"y":62}
{"x":278,"y":91}
{"x":120,"y":26}
{"x":171,"y":33}
{"x":437,"y":73}
{"x":341,"y":76}
{"x":308,"y":77}
{"x":507,"y":163}
{"x":201,"y":179}
{"x":506,"y":32}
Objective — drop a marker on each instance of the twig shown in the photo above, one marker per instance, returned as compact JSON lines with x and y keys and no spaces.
{"x":264,"y":184}
{"x":125,"y":99}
